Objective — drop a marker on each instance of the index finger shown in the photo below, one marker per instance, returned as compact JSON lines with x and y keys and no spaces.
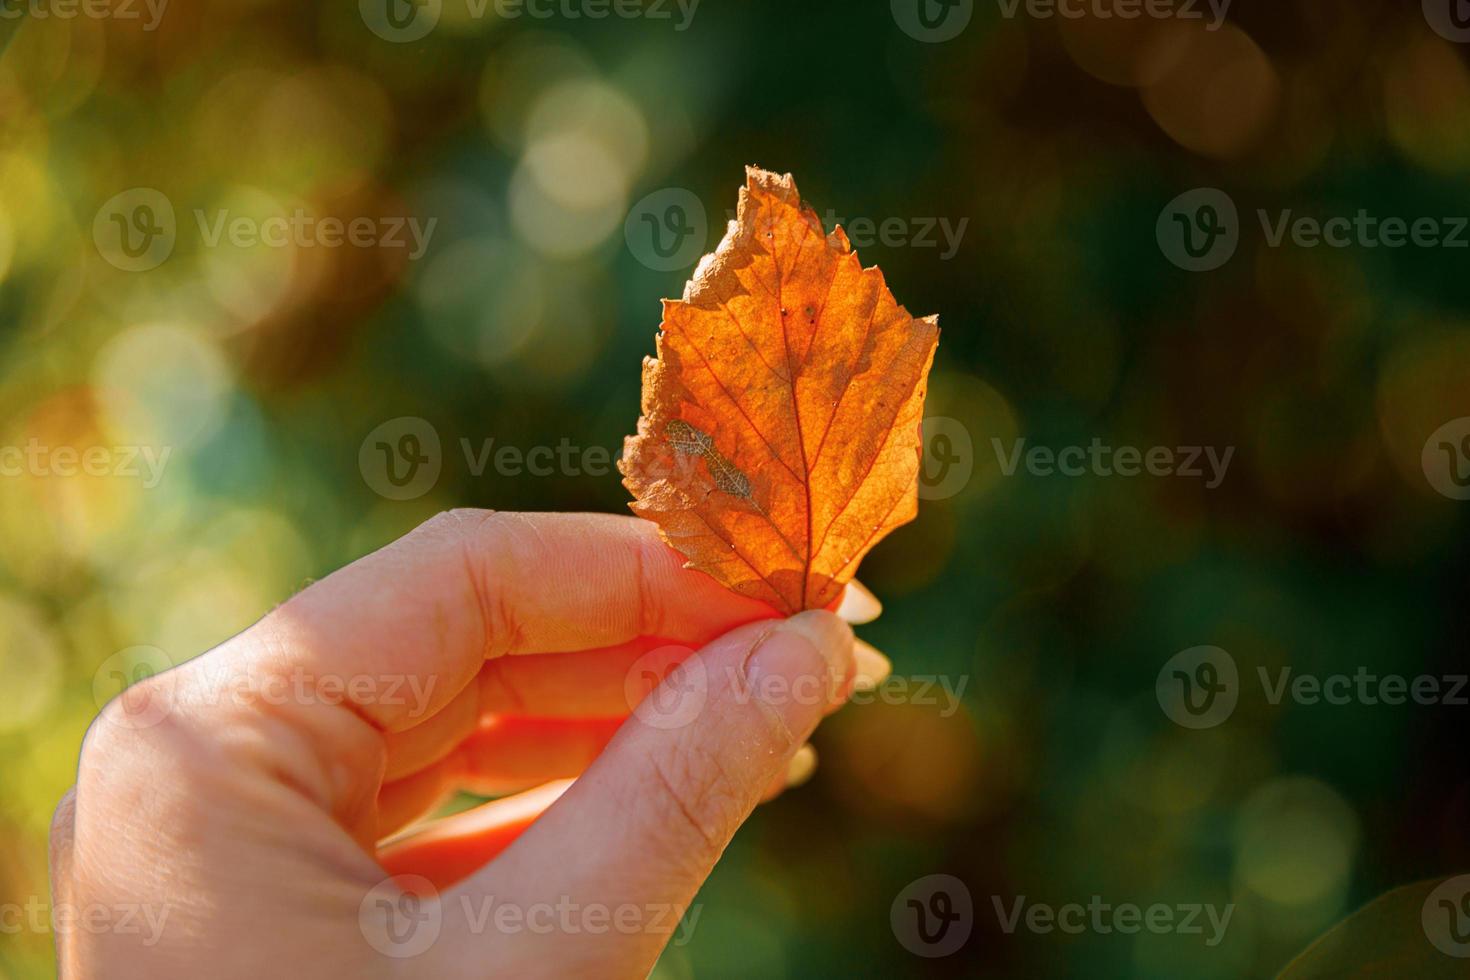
{"x":468,"y":586}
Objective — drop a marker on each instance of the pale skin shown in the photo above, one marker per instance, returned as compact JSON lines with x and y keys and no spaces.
{"x":249,"y":829}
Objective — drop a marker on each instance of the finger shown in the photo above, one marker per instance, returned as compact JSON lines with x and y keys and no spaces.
{"x":451,"y":848}
{"x":425,"y":613}
{"x":62,"y":859}
{"x":393,"y":639}
{"x":507,"y":755}
{"x":404,"y":802}
{"x":431,"y":741}
{"x":873,"y":667}
{"x":870,"y":668}
{"x":603,"y":683}
{"x":858,"y":605}
{"x":647,"y":822}
{"x":502,"y":756}
{"x":590,"y":684}
{"x":798,"y":771}
{"x":469,"y":854}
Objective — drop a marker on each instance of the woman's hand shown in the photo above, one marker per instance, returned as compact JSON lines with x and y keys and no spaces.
{"x":238,"y":803}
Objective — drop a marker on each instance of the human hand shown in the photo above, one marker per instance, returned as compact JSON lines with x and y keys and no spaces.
{"x":241,"y":799}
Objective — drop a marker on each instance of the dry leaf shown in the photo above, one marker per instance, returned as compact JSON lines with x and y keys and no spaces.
{"x":780,"y":433}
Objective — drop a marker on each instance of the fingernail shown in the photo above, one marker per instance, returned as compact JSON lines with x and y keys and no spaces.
{"x":858,"y":605}
{"x":801,"y":767}
{"x":873,"y":667}
{"x":801,"y":666}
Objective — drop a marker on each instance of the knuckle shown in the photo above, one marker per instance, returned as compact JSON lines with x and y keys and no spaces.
{"x":65,"y":812}
{"x":649,"y":609}
{"x":107,"y":736}
{"x":63,"y":822}
{"x":459,"y":522}
{"x":499,"y":688}
{"x":482,"y":539}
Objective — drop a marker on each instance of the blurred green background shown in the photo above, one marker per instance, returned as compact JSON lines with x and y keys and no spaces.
{"x":1055,"y":144}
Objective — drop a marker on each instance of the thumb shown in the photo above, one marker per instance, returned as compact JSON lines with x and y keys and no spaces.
{"x":603,"y":878}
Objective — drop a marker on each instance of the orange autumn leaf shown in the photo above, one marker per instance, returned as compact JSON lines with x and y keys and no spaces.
{"x":780,"y":433}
